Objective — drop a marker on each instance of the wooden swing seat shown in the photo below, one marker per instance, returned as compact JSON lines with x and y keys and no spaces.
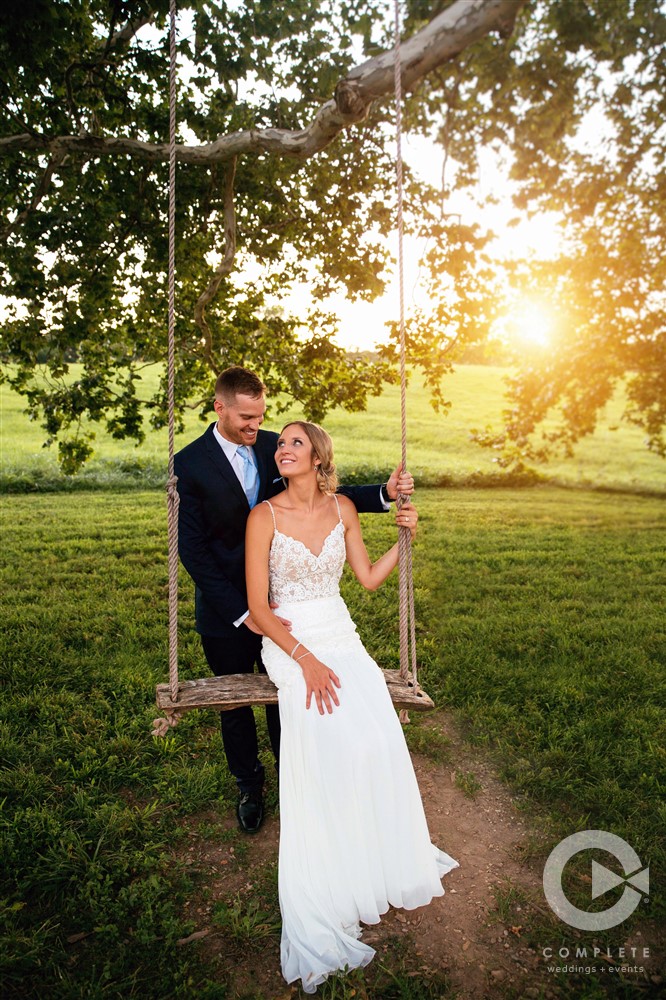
{"x":238,"y":690}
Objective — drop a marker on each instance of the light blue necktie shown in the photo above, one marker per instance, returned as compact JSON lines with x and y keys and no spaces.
{"x":250,"y":475}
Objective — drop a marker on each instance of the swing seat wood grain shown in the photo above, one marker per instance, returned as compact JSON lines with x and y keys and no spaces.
{"x":237,"y":690}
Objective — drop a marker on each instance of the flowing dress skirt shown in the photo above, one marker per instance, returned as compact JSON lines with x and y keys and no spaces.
{"x":353,"y":834}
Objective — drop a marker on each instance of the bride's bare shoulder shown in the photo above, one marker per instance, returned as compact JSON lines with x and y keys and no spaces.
{"x":259,"y":515}
{"x":279,"y":503}
{"x":347,"y":508}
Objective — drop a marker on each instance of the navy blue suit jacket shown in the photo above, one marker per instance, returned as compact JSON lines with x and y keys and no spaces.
{"x":212,"y":516}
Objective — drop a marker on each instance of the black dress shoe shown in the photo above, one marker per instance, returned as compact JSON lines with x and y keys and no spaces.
{"x":250,"y":811}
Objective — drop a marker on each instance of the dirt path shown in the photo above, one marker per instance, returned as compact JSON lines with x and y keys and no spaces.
{"x":486,"y":935}
{"x":476,"y":933}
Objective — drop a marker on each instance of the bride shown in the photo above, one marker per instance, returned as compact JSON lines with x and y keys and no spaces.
{"x":353,"y":837}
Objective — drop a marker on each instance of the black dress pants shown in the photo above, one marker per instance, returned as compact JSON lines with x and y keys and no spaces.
{"x":238,"y":653}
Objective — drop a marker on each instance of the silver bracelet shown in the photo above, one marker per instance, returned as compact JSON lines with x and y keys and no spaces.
{"x":303,"y":655}
{"x":294,"y":650}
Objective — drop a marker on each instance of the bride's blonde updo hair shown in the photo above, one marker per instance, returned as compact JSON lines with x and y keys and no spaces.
{"x":322,"y":446}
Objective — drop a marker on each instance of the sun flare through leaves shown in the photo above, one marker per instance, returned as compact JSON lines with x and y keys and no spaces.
{"x":530,"y":325}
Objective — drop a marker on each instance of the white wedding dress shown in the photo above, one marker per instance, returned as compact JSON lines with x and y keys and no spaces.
{"x":353,"y":834}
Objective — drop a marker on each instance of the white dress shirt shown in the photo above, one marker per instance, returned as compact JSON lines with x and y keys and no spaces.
{"x":231,"y":451}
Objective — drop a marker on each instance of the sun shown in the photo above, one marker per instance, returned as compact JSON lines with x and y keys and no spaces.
{"x":534,"y":324}
{"x":530,"y":323}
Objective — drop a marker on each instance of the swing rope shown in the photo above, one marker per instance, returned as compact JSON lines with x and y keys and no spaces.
{"x":406,"y":583}
{"x":405,"y":569}
{"x":172,"y":491}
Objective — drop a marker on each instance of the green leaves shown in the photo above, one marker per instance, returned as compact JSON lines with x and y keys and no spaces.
{"x":85,"y":259}
{"x":573,"y":102}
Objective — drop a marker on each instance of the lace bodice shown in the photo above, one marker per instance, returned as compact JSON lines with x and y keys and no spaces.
{"x":297,"y":574}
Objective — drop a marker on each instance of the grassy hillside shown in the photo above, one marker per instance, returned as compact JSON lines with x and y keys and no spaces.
{"x":367,"y":444}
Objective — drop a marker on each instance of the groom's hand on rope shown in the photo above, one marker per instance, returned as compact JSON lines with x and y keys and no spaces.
{"x":407,"y":517}
{"x":321,"y":682}
{"x":400,"y":482}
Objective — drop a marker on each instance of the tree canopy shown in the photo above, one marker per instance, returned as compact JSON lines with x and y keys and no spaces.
{"x":285,"y":165}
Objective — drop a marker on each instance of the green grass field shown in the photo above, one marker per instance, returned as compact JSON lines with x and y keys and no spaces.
{"x":540,"y":622}
{"x":366,"y":444}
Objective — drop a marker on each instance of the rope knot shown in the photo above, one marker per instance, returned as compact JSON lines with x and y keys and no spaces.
{"x":401,"y":500}
{"x":173,"y":496}
{"x":163,"y":725}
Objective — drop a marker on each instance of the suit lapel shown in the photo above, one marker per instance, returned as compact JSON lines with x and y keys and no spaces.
{"x":223,"y":466}
{"x":264,"y":452}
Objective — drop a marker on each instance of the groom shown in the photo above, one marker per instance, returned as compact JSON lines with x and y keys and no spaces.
{"x":221,"y":476}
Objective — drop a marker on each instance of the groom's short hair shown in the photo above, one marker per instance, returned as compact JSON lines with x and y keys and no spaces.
{"x":236,"y":381}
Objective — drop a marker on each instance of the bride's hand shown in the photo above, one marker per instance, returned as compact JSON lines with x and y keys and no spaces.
{"x":320,"y":682}
{"x":407,"y":517}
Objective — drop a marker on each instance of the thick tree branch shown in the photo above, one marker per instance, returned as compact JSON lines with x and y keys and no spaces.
{"x":222,"y":270}
{"x":440,"y":41}
{"x":127,"y":33}
{"x":445,"y":37}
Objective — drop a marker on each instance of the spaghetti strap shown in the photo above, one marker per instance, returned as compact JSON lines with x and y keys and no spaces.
{"x":338,"y":506}
{"x":272,"y":513}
